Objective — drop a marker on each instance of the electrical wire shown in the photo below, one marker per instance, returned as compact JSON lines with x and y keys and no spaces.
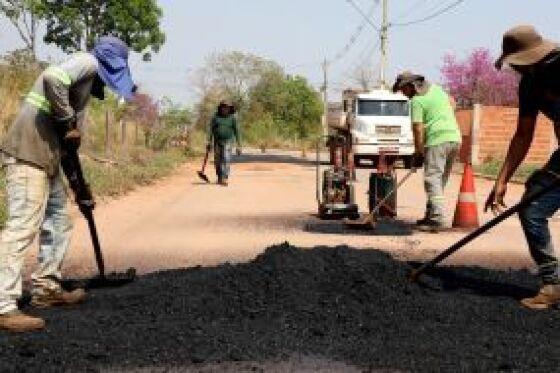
{"x":363,"y":14}
{"x":353,"y":39}
{"x":412,"y":9}
{"x":431,"y":16}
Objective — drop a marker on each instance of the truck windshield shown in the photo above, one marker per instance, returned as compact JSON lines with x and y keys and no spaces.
{"x":383,"y":108}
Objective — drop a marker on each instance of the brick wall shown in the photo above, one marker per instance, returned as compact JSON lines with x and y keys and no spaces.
{"x":497,"y":127}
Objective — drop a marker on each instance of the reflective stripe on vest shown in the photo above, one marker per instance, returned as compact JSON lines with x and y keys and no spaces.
{"x":60,"y":74}
{"x":39,"y":101}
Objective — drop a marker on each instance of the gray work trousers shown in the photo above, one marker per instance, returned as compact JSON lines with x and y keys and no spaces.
{"x":438,"y":165}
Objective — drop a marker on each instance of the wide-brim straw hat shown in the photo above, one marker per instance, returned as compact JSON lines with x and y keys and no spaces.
{"x":523,"y":45}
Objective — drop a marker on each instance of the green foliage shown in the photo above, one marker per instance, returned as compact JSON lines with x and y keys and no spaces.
{"x":18,"y":70}
{"x":263,"y":132}
{"x":229,"y":76}
{"x":293,"y":106}
{"x":492,"y":168}
{"x":142,"y":168}
{"x":273,"y":108}
{"x":172,"y":126}
{"x":75,"y":24}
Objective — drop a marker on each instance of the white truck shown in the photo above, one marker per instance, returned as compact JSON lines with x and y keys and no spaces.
{"x":378,"y":122}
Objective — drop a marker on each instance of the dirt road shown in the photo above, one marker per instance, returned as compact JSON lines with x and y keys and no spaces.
{"x":180,"y":222}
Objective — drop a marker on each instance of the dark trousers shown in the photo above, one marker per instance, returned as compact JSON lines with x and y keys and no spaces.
{"x":222,"y":159}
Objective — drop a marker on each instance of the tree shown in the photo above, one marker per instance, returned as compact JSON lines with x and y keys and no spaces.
{"x":475,"y":80}
{"x":234,"y":74}
{"x":292,"y":103}
{"x":24,"y":15}
{"x":75,"y":24}
{"x":144,"y":111}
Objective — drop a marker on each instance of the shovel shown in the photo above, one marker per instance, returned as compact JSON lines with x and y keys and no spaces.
{"x":103,"y":280}
{"x":201,"y":173}
{"x":73,"y":170}
{"x":369,"y":220}
{"x":416,"y":273}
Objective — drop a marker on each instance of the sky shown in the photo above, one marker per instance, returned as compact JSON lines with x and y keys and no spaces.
{"x":300,"y":34}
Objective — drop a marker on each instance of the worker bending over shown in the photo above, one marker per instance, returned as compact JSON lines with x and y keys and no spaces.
{"x":48,"y":125}
{"x":436,"y":139}
{"x":538,"y":62}
{"x":223,"y":129}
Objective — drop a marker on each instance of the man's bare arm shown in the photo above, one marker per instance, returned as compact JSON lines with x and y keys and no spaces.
{"x":418,"y":130}
{"x":518,"y":149}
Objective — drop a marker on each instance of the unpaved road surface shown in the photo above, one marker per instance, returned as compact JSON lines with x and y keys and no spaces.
{"x":180,"y":222}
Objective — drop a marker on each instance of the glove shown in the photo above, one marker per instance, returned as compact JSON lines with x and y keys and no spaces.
{"x":239,"y":151}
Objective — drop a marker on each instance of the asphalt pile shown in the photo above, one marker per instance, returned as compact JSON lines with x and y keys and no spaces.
{"x":350,"y":306}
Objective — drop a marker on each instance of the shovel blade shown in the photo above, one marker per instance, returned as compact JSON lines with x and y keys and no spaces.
{"x":112,"y":280}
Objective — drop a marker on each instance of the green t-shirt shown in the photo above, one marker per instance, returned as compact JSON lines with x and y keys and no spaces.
{"x":224,"y":129}
{"x":434,"y":110}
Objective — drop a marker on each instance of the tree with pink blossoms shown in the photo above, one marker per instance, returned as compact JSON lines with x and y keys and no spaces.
{"x":476,"y":80}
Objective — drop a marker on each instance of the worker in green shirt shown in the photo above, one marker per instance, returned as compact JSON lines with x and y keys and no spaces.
{"x":223,"y":130}
{"x":436,"y":139}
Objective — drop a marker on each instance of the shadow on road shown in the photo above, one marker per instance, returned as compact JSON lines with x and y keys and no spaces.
{"x":274,"y":158}
{"x":452,"y":279}
{"x":382,"y":228}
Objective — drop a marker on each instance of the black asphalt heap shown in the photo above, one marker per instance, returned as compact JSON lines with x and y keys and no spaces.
{"x":353,"y":306}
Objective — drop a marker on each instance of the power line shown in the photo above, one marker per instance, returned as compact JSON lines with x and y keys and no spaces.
{"x":412,"y":9}
{"x":364,"y":15}
{"x":431,"y":16}
{"x":353,"y":39}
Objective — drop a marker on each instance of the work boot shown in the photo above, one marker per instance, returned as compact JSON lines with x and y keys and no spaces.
{"x":430,"y":225}
{"x":58,"y":298}
{"x":548,"y":297}
{"x":18,"y":322}
{"x":224,"y":182}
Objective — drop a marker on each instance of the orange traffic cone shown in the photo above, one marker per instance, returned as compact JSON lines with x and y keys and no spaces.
{"x":466,"y":213}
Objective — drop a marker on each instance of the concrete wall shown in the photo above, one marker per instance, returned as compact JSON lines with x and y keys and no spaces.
{"x":496,"y":127}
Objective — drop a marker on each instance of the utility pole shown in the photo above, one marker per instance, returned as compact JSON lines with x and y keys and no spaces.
{"x":384,"y":41}
{"x":326,"y":97}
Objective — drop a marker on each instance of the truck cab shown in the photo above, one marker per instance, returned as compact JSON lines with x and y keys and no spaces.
{"x":379,"y":123}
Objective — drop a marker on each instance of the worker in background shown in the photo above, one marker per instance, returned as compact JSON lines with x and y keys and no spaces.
{"x":538,"y":62}
{"x":436,"y":139}
{"x":223,"y":130}
{"x":49,"y":122}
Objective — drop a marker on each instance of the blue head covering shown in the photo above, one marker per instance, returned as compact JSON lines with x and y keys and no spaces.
{"x":112,"y":55}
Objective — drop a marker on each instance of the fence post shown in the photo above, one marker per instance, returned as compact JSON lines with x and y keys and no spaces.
{"x":123,"y":131}
{"x":475,"y":132}
{"x":107,"y":138}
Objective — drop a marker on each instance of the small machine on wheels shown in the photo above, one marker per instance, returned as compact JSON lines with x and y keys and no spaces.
{"x":371,"y":130}
{"x":335,"y":189}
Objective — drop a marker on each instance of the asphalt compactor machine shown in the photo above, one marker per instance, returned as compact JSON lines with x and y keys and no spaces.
{"x":372,"y":132}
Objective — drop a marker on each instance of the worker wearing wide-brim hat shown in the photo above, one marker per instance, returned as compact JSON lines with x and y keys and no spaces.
{"x":222,"y":131}
{"x":537,"y":60}
{"x":436,"y":139}
{"x":49,"y":122}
